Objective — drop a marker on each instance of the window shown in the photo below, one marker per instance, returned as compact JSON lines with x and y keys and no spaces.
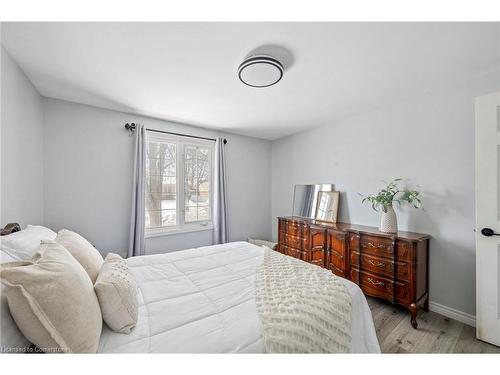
{"x":178,"y":183}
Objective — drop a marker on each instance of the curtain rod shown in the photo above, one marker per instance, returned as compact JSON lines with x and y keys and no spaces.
{"x":131,"y":127}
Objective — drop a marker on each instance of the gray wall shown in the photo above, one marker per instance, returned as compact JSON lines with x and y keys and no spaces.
{"x":428,"y":139}
{"x":88,"y":159}
{"x":22,"y":147}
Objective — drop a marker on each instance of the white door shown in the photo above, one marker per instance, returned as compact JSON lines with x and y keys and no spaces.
{"x":488,"y":218}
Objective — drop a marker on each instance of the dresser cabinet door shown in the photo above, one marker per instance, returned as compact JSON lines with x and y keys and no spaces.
{"x":336,"y":252}
{"x":317,"y":246}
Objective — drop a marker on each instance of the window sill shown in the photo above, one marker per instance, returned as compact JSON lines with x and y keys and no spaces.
{"x":174,"y":231}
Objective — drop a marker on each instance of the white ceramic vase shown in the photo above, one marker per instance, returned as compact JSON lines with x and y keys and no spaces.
{"x":389,"y":221}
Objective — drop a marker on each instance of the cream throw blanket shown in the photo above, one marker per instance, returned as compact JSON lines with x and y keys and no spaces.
{"x":303,"y":308}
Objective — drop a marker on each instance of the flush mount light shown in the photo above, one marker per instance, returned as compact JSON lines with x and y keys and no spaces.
{"x":260,"y":71}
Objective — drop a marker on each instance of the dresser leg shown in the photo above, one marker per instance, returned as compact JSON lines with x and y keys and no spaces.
{"x":413,"y":312}
{"x":426,"y":304}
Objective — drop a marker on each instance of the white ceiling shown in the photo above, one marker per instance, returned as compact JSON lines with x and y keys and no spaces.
{"x":187,"y":72}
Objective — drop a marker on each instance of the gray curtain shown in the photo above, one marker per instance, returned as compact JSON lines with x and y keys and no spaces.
{"x":220,"y":203}
{"x":136,"y":243}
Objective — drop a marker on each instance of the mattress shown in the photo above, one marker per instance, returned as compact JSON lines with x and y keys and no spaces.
{"x":202,"y":301}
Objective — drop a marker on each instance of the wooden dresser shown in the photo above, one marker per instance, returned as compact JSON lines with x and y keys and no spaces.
{"x":389,"y":266}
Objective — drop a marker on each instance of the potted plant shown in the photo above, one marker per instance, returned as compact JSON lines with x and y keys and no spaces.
{"x":384,"y":199}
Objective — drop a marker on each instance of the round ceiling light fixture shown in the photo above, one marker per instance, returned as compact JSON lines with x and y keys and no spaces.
{"x":260,"y":71}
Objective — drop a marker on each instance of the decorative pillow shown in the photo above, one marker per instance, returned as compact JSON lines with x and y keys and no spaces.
{"x":23,"y":244}
{"x":88,"y":256}
{"x":11,"y":339}
{"x":116,"y":290}
{"x":52,"y":301}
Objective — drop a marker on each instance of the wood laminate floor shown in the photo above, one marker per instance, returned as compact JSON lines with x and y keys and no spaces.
{"x":435,"y":333}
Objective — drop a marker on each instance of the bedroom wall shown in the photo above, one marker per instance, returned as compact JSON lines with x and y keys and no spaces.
{"x":88,"y":173}
{"x":427,"y":138}
{"x":22,"y":147}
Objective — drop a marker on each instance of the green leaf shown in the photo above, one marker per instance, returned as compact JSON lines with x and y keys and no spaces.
{"x":391,"y":193}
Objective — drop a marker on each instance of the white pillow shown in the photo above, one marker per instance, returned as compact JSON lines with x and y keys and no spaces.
{"x":23,"y":244}
{"x":6,"y":257}
{"x":14,"y":247}
{"x":52,"y":301}
{"x":83,"y":251}
{"x":11,"y":338}
{"x":116,"y":291}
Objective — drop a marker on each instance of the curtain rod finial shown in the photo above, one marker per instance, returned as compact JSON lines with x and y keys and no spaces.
{"x":131,"y":127}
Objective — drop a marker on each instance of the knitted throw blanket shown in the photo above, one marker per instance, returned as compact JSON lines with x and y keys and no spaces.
{"x":303,"y":308}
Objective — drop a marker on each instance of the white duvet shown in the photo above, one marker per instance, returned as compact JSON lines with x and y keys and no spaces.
{"x":202,"y":301}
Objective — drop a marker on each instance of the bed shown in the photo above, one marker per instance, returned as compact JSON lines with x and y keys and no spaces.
{"x":202,"y":301}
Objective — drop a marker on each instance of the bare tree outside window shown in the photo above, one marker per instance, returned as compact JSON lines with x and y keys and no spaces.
{"x":197,"y":183}
{"x":161,"y":184}
{"x":166,"y":191}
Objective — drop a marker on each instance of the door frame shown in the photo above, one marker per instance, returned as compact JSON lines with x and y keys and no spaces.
{"x":487,"y":215}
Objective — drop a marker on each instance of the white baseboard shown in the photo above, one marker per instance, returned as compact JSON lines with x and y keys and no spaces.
{"x":453,"y":313}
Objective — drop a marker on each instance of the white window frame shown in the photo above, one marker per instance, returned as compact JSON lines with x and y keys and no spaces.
{"x":180,"y":217}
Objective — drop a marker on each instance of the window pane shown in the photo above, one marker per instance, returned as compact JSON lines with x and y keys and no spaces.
{"x":161,"y":218}
{"x":203,"y":153}
{"x":153,"y":218}
{"x":203,"y":213}
{"x":197,"y":183}
{"x":168,"y":217}
{"x":161,"y":180}
{"x":203,"y":189}
{"x":191,"y":214}
{"x":168,"y":166}
{"x":190,"y":153}
{"x":152,"y":167}
{"x":168,"y":186}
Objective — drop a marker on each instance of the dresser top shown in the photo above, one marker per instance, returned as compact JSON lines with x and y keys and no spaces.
{"x":347,"y":227}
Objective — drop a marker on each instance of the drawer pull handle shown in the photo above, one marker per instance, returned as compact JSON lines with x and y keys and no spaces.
{"x":380,"y":283}
{"x":381,"y":246}
{"x":376,"y":264}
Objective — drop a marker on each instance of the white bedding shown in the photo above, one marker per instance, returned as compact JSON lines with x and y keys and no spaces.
{"x":202,"y":301}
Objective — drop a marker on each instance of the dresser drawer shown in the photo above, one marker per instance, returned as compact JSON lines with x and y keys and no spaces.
{"x":381,"y":266}
{"x":295,"y":241}
{"x":296,"y":229}
{"x":302,"y":255}
{"x":377,"y":286}
{"x":377,"y":246}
